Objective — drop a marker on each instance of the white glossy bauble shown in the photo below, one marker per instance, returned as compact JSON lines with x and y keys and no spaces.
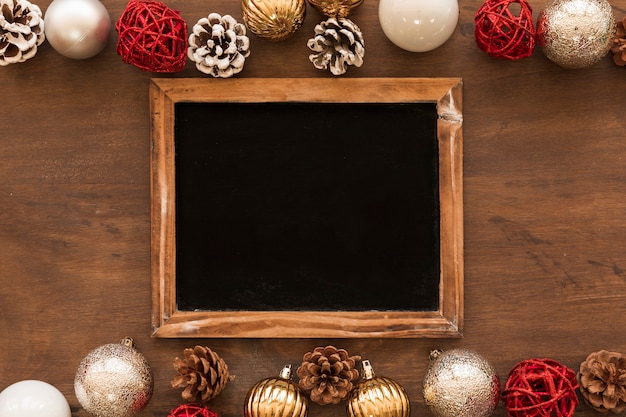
{"x":77,"y":29}
{"x":33,"y":398}
{"x":418,"y":25}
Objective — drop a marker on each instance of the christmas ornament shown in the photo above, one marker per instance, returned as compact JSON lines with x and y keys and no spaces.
{"x":276,"y":397}
{"x":576,"y":33}
{"x":33,"y":398}
{"x":202,"y":374}
{"x":335,"y":8}
{"x":274,"y":20}
{"x":377,"y":396}
{"x":77,"y":29}
{"x":618,"y":47}
{"x":114,"y":380}
{"x":21,"y":31}
{"x":152,"y":37}
{"x":602,"y":379}
{"x":219,"y":46}
{"x":461,"y":383}
{"x":505,"y":29}
{"x":326,"y":374}
{"x":192,"y":410}
{"x":418,"y":25}
{"x":540,"y":387}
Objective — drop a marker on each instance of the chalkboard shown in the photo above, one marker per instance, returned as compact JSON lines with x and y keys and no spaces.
{"x":283,"y":208}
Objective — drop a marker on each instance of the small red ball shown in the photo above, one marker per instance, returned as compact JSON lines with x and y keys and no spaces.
{"x":505,"y":29}
{"x":152,"y":37}
{"x":192,"y":410}
{"x":540,"y":387}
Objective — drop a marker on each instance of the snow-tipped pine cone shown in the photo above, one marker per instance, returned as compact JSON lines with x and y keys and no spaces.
{"x":21,"y":31}
{"x":327,"y":374}
{"x":602,"y":380}
{"x":219,"y":45}
{"x":338,"y":42}
{"x":202,"y":374}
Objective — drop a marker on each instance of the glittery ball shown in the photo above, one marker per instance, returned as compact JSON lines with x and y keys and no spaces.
{"x":576,"y":33}
{"x":461,"y":383}
{"x":114,"y":380}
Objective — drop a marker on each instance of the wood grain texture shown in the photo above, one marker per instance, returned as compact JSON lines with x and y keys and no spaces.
{"x":544,"y":211}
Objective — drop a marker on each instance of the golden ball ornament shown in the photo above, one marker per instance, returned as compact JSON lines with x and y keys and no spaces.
{"x":276,"y":397}
{"x":114,"y":380}
{"x":274,"y":20}
{"x":377,"y":396}
{"x":576,"y":33}
{"x":335,"y":8}
{"x":461,"y":383}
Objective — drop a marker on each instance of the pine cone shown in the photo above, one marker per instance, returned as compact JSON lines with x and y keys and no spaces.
{"x":338,"y":42}
{"x":21,"y":31}
{"x":602,"y":380}
{"x":619,"y":43}
{"x":202,"y":374}
{"x":326,"y":374}
{"x":219,"y":45}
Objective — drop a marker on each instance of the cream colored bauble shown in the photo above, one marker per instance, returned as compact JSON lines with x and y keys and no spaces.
{"x":33,"y":398}
{"x":77,"y":29}
{"x":418,"y":25}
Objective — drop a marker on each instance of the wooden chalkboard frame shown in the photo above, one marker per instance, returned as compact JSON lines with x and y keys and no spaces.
{"x":169,"y":322}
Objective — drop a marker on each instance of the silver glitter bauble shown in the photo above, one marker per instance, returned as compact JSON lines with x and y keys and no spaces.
{"x":576,"y":33}
{"x":461,"y":383}
{"x":114,"y":380}
{"x":77,"y":29}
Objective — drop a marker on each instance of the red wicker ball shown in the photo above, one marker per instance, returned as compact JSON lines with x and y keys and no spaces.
{"x":540,"y":388}
{"x":152,"y":37}
{"x":192,"y":410}
{"x":505,"y":30}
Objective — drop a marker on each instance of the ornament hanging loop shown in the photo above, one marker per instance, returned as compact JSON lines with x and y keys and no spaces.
{"x":368,"y":371}
{"x":129,"y":342}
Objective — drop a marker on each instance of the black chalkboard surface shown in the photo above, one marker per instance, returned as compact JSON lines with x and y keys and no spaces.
{"x":307,"y":206}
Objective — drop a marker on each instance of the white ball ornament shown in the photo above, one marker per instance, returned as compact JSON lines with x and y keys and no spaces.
{"x":418,"y":25}
{"x":77,"y":29}
{"x":33,"y":398}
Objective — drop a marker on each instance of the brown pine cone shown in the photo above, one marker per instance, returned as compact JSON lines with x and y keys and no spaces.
{"x":326,"y":374}
{"x":202,"y":374}
{"x":618,"y":46}
{"x":602,"y":380}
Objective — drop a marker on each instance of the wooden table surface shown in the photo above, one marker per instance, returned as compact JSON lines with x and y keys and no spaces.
{"x":545,"y":236}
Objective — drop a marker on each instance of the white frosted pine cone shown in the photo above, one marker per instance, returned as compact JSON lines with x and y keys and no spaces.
{"x":338,"y":42}
{"x":219,"y":45}
{"x":21,"y":31}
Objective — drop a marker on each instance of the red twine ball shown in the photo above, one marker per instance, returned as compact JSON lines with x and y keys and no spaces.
{"x":540,"y":388}
{"x":192,"y":410}
{"x":503,"y":33}
{"x":152,"y":37}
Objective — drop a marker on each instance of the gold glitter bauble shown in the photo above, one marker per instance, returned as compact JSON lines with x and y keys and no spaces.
{"x":274,"y":20}
{"x":335,"y":8}
{"x":276,"y":397}
{"x":377,"y":396}
{"x":461,"y":383}
{"x":114,"y":380}
{"x":576,"y":33}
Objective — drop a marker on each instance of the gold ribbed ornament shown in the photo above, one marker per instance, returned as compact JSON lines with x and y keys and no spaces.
{"x":335,"y":8}
{"x":274,"y":20}
{"x":377,"y":396}
{"x":276,"y":397}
